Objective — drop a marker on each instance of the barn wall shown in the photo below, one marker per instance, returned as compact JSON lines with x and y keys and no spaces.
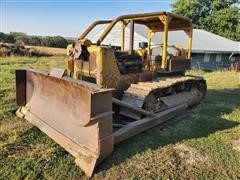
{"x":210,"y":61}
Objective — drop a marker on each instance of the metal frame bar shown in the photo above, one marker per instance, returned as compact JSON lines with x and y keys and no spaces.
{"x":141,"y":125}
{"x":123,"y":37}
{"x":150,"y":35}
{"x":165,"y":20}
{"x":131,"y":37}
{"x":190,"y":42}
{"x":133,"y":108}
{"x":93,"y":25}
{"x":136,"y":17}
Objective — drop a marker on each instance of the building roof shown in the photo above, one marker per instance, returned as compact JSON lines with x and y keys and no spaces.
{"x":207,"y":41}
{"x":203,"y":41}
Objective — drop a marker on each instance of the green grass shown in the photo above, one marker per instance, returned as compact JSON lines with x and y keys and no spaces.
{"x":203,"y":145}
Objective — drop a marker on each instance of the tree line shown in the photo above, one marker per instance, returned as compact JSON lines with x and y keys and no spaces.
{"x":221,"y":17}
{"x":24,"y":39}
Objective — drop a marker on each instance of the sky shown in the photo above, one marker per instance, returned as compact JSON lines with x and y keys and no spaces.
{"x":68,"y":18}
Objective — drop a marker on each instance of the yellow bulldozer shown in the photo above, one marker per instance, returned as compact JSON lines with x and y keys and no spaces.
{"x":146,"y":85}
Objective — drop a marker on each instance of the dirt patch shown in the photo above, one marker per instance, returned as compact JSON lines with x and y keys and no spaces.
{"x":190,"y":155}
{"x":236,"y":145}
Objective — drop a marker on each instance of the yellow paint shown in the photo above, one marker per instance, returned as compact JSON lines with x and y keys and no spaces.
{"x":141,"y":52}
{"x":150,"y":35}
{"x":123,"y":37}
{"x":106,"y":71}
{"x":190,"y":43}
{"x":85,"y":42}
{"x":182,"y":52}
{"x":85,"y":69}
{"x":165,"y":21}
{"x":69,"y":62}
{"x":99,"y":60}
{"x":70,"y":49}
{"x":110,"y":72}
{"x":70,"y":67}
{"x":105,"y":66}
{"x":189,"y":32}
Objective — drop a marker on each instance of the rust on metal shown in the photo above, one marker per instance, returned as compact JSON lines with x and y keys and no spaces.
{"x":72,"y":113}
{"x":131,"y":107}
{"x":179,"y":65}
{"x":81,"y":123}
{"x":58,"y":72}
{"x":190,"y":98}
{"x":138,"y":94}
{"x":21,"y":87}
{"x":136,"y":127}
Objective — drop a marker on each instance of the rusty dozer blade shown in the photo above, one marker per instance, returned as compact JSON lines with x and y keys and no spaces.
{"x":78,"y":115}
{"x":69,"y":111}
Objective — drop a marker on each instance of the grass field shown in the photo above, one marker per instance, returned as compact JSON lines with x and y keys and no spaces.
{"x":203,"y":145}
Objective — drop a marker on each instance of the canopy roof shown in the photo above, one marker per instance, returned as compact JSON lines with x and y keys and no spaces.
{"x":153,"y":22}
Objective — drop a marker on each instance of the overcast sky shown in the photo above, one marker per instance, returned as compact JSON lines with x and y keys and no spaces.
{"x":68,"y":18}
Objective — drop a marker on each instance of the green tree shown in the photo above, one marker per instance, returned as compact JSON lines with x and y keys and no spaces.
{"x":34,"y":41}
{"x":21,"y":38}
{"x":24,"y":39}
{"x":55,"y":41}
{"x":59,"y":41}
{"x":6,"y":38}
{"x":46,"y":41}
{"x":221,"y":17}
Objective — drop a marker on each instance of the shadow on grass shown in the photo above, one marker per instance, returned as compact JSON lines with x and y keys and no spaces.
{"x":204,"y":120}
